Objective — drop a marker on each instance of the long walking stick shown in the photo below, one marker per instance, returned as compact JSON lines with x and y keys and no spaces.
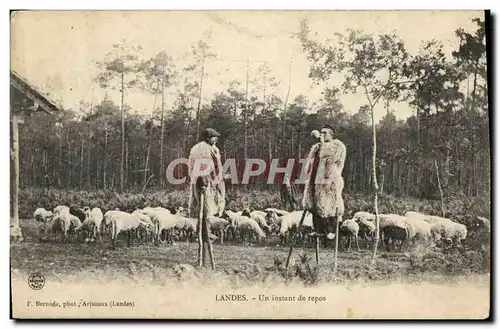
{"x":200,"y":231}
{"x":317,"y":249}
{"x":339,"y":217}
{"x":209,"y":243}
{"x":293,"y":240}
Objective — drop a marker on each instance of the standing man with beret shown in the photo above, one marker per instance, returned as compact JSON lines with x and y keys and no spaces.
{"x":205,"y":172}
{"x":324,"y":183}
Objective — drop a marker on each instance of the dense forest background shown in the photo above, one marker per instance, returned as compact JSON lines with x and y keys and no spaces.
{"x":104,"y":145}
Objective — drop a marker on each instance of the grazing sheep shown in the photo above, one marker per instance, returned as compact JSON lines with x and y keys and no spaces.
{"x":61,"y":210}
{"x":350,"y":229}
{"x":218,"y":226}
{"x":92,"y":223}
{"x":64,"y":223}
{"x":279,"y":212}
{"x":162,"y":221}
{"x":419,"y":230}
{"x":259,"y":213}
{"x":363,"y":215}
{"x":234,"y":218}
{"x":449,"y":231}
{"x":44,"y":217}
{"x":121,"y":221}
{"x":260,"y":218}
{"x":393,"y":228}
{"x":151,"y":209}
{"x":249,"y":227}
{"x":366,"y":222}
{"x":242,"y":224}
{"x":289,"y":225}
{"x":427,"y":218}
{"x":273,"y":221}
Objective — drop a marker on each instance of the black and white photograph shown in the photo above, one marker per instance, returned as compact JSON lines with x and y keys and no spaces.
{"x":259,"y":164}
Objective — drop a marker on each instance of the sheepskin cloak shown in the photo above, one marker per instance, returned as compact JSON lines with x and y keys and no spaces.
{"x":206,"y":159}
{"x":324,"y":183}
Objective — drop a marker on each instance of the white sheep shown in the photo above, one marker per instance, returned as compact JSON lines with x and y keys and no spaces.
{"x":363,"y":215}
{"x":247,"y":225}
{"x":366,"y":222}
{"x":350,"y":229}
{"x":427,"y":218}
{"x":61,"y":210}
{"x":44,"y":217}
{"x":121,"y":221}
{"x":218,"y":225}
{"x":92,"y":223}
{"x":279,"y":212}
{"x":260,"y":218}
{"x":418,"y":229}
{"x":64,"y":223}
{"x":162,"y":220}
{"x":259,"y":213}
{"x":449,"y":231}
{"x":367,"y":230}
{"x":289,"y":225}
{"x":250,"y":227}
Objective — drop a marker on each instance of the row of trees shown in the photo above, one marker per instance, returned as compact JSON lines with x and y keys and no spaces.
{"x":105,"y":145}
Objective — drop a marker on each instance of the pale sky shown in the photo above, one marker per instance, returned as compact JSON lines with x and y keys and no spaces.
{"x":54,"y":50}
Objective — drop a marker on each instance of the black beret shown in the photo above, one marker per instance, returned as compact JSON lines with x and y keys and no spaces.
{"x":209,"y":132}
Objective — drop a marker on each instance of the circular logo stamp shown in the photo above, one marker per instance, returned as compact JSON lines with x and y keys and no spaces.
{"x":36,"y":281}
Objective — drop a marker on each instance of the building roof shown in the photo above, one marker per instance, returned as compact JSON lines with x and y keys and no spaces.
{"x":28,"y":90}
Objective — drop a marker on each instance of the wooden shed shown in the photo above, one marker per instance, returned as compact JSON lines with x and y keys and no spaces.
{"x":25,"y":99}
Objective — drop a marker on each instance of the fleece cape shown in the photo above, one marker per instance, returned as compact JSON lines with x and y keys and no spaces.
{"x":205,"y":169}
{"x":324,"y":183}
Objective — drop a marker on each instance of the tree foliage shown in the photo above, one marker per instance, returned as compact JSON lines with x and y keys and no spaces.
{"x":450,"y":125}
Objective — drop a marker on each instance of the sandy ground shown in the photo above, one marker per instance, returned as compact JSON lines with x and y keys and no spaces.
{"x":146,"y":281}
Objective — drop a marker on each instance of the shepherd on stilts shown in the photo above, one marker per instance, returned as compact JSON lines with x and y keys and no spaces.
{"x":206,"y":190}
{"x":323,"y":187}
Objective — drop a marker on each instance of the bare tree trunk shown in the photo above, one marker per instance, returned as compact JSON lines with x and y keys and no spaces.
{"x":475,"y":83}
{"x":104,"y":166}
{"x":59,"y":182}
{"x":70,"y":162}
{"x":161,"y":173}
{"x":198,"y":111}
{"x":127,"y":166}
{"x":383,"y":181}
{"x":375,"y":186}
{"x":122,"y":157}
{"x":148,"y":152}
{"x":418,"y":126}
{"x":440,"y":189}
{"x":81,"y":163}
{"x":245,"y":119}
{"x":88,"y":159}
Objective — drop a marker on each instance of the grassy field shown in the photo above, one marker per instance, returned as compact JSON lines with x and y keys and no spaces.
{"x":241,"y":264}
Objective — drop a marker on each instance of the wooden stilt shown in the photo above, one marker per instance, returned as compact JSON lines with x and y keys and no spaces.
{"x":293,"y":240}
{"x":338,"y":219}
{"x":317,"y":249}
{"x":200,"y":231}
{"x":209,"y":244}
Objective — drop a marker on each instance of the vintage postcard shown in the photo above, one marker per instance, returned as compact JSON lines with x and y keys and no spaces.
{"x":250,"y":165}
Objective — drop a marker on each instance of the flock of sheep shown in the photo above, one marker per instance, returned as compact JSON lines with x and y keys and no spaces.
{"x":161,"y":225}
